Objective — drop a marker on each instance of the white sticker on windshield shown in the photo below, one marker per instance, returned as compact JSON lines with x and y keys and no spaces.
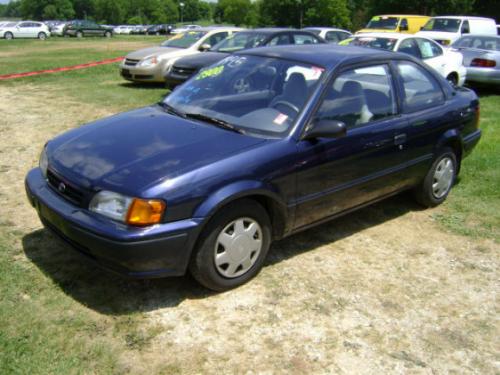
{"x":280,"y":119}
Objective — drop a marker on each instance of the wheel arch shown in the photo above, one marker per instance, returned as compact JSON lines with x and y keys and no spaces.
{"x":453,"y":140}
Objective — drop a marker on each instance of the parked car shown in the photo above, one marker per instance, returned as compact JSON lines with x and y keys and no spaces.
{"x":481,"y":54}
{"x":151,"y":64}
{"x":446,"y":62}
{"x":329,"y":34}
{"x":394,"y":23}
{"x":208,"y":178}
{"x":160,"y":30}
{"x":186,"y":67}
{"x":139,"y":29}
{"x":185,"y":28}
{"x":24,"y":29}
{"x":79,"y":29}
{"x":57,"y":30}
{"x":446,"y":29}
{"x":122,"y":29}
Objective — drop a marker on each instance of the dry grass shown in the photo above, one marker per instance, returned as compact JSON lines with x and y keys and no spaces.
{"x":376,"y":292}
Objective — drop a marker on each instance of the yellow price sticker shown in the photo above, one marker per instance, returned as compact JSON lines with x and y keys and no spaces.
{"x":212,"y":72}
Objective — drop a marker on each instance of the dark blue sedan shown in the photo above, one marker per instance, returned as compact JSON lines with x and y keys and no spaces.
{"x":209,"y":177}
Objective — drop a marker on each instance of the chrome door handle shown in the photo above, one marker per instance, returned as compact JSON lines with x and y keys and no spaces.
{"x":400,"y":139}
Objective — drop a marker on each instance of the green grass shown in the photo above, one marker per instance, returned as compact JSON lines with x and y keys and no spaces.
{"x":473,"y":206}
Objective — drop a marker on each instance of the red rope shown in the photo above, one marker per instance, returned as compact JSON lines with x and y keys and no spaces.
{"x":63,"y":69}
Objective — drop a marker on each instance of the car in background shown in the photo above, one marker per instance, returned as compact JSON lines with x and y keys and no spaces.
{"x":446,"y":62}
{"x":122,"y":29}
{"x":185,"y":28}
{"x":151,"y":64}
{"x":81,"y":28}
{"x":24,"y":29}
{"x":395,"y":23}
{"x":446,"y":29}
{"x":57,"y":29}
{"x":481,"y":54}
{"x":160,"y":30}
{"x":206,"y":179}
{"x":186,"y":67}
{"x":140,"y":29}
{"x":330,"y":34}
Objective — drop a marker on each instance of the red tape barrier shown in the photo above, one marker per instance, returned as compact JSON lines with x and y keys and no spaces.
{"x":63,"y":69}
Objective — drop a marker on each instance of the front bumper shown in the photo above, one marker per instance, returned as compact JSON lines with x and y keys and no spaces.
{"x":483,"y":75}
{"x":156,"y":251}
{"x":173,"y":79}
{"x":139,"y":74}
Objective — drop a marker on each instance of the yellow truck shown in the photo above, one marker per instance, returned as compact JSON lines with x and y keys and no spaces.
{"x":395,"y":23}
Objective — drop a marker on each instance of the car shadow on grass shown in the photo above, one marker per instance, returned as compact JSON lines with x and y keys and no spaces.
{"x":112,"y":294}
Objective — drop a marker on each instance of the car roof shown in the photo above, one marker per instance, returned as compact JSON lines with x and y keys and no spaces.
{"x":464,"y":17}
{"x":214,"y":28}
{"x":387,"y":35}
{"x":322,"y":28}
{"x":326,"y":55}
{"x":402,"y":15}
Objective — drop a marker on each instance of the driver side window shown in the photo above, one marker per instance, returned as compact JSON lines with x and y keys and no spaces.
{"x":359,"y":96}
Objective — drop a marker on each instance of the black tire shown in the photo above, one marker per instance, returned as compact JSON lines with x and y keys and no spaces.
{"x":8,"y":35}
{"x":424,"y":193}
{"x":452,"y":79}
{"x":107,"y":34}
{"x":79,"y":34}
{"x":202,"y":265}
{"x":42,"y":36}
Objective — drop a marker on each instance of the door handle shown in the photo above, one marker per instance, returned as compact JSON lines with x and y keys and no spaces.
{"x":400,"y":139}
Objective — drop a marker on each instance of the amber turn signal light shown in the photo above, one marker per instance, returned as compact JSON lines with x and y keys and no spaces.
{"x":145,"y":211}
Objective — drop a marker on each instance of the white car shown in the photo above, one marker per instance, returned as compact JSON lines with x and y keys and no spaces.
{"x":24,"y":29}
{"x":446,"y":29}
{"x":57,"y":30}
{"x":185,"y":28}
{"x":447,"y":62}
{"x":330,"y":34}
{"x":123,"y":29}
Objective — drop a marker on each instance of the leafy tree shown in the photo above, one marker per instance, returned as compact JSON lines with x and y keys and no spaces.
{"x":191,"y":10}
{"x":44,"y":9}
{"x":235,"y":11}
{"x":110,"y":11}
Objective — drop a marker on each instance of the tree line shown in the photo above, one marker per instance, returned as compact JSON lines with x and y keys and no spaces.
{"x":349,"y":14}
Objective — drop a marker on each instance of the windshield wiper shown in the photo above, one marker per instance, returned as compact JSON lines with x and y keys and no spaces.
{"x":172,"y":110}
{"x":216,"y":121}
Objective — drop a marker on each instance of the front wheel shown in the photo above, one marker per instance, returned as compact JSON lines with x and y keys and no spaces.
{"x":79,"y":34}
{"x":439,"y":179}
{"x":42,"y":36}
{"x":233,"y":246}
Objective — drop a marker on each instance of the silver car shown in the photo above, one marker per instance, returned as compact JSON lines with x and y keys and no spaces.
{"x":481,"y":57}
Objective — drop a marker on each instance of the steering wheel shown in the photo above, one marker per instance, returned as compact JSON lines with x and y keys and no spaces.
{"x":286,"y":104}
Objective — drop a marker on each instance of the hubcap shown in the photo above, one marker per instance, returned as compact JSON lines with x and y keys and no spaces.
{"x":237,"y":247}
{"x":443,"y":177}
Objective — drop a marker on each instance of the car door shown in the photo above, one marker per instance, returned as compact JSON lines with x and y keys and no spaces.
{"x":22,"y":30}
{"x":432,"y":54}
{"x":335,"y":175}
{"x":422,"y":99}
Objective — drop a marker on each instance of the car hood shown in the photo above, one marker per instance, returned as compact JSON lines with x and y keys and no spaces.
{"x":200,"y":60}
{"x":133,"y":151}
{"x":155,"y":51}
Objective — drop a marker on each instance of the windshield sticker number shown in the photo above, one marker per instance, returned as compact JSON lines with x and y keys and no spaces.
{"x":234,"y":61}
{"x":212,"y":72}
{"x":280,"y":119}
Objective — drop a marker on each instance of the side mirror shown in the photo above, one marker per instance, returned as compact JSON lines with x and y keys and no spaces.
{"x":325,"y":128}
{"x":421,"y":28}
{"x":403,"y":28}
{"x":205,"y":47}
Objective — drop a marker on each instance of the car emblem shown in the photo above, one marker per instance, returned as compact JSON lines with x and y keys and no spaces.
{"x":61,"y":187}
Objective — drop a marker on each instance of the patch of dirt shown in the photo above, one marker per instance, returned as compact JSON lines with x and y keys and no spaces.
{"x":381,"y":291}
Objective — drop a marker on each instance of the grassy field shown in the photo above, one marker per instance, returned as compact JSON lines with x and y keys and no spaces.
{"x":389,"y":289}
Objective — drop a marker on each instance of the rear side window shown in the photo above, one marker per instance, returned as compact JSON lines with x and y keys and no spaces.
{"x":409,"y":46}
{"x":421,"y":89}
{"x":304,"y":39}
{"x":465,"y":29}
{"x":336,"y":36}
{"x":428,"y":49}
{"x":280,"y":40}
{"x":359,"y":96}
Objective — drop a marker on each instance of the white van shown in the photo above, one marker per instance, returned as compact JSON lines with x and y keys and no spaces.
{"x":446,"y":29}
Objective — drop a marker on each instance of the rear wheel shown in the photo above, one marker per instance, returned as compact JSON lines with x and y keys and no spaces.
{"x":79,"y":34}
{"x":8,"y":35}
{"x":439,"y":179}
{"x":453,"y":79}
{"x":107,"y":34}
{"x":42,"y":36}
{"x":232,"y":247}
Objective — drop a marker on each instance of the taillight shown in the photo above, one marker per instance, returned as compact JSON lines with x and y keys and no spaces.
{"x":483,"y":63}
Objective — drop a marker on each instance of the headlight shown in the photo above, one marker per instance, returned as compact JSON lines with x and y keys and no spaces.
{"x":44,"y":162}
{"x":151,"y":61}
{"x":133,"y":211}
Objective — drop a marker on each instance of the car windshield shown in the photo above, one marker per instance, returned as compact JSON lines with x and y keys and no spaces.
{"x":239,"y":41}
{"x":387,"y":23}
{"x":489,"y":43}
{"x":373,"y":42}
{"x":449,"y":25}
{"x":184,"y":40}
{"x":259,"y":96}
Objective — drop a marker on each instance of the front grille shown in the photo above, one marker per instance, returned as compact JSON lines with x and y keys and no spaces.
{"x":66,"y":189}
{"x":187,"y":72}
{"x":131,"y":62}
